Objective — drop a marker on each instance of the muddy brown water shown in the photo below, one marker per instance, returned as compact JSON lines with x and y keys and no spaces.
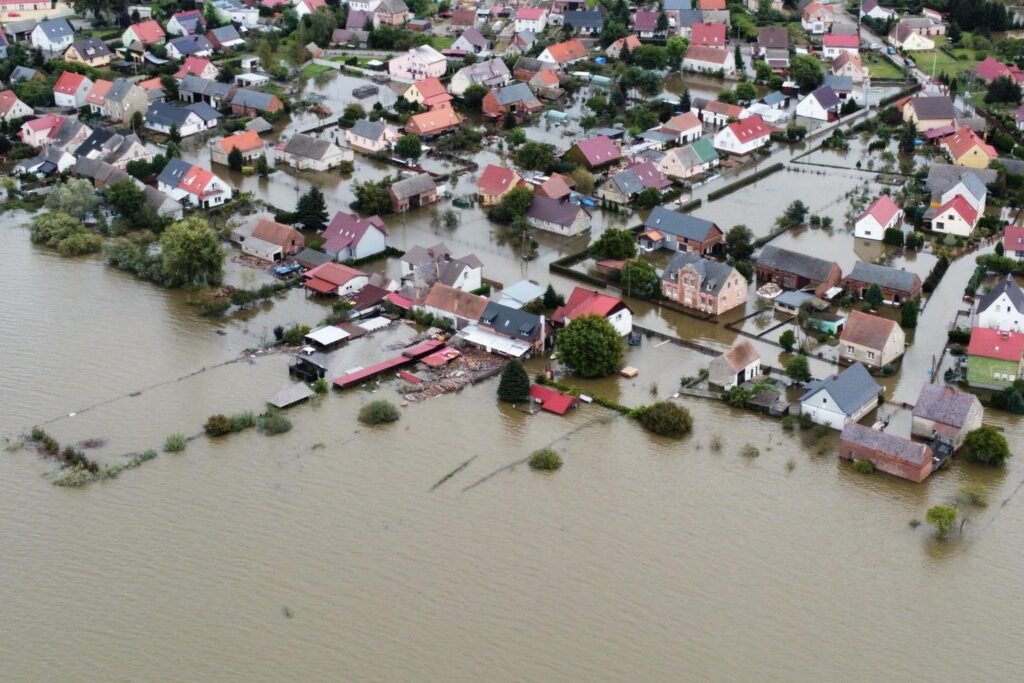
{"x":322,"y":554}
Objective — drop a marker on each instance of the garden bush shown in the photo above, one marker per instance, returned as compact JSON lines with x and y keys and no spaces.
{"x":175,"y":443}
{"x":378,"y":412}
{"x":665,"y":418}
{"x":273,"y":422}
{"x":217,"y":425}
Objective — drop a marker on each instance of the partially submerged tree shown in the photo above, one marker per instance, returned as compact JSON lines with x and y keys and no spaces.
{"x":312,"y":210}
{"x":942,"y":518}
{"x":191,"y":254}
{"x":797,"y":369}
{"x":665,"y":418}
{"x":614,"y":243}
{"x":590,"y":346}
{"x":986,"y":445}
{"x":514,"y":386}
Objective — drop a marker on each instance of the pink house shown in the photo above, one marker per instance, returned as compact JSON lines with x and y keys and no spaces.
{"x":418,"y":63}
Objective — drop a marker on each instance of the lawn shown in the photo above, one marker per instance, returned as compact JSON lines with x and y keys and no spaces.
{"x":938,"y":61}
{"x":880,"y":66}
{"x":441,"y":42}
{"x":311,"y":70}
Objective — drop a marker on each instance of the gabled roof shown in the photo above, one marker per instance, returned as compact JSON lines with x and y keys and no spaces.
{"x":839,"y":83}
{"x":961,"y":206}
{"x":253,"y":99}
{"x":587,"y":302}
{"x":164,"y":114}
{"x":941,"y":177}
{"x":591,"y":19}
{"x":885,"y":276}
{"x":1010,"y":288}
{"x":280,"y":234}
{"x":896,"y":447}
{"x":371,"y":130}
{"x":598,"y":150}
{"x":964,"y":140}
{"x":844,"y":58}
{"x":69,"y":83}
{"x":841,"y":40}
{"x":119,"y":89}
{"x":826,"y":97}
{"x":98,"y":92}
{"x":751,"y":128}
{"x":225,"y":34}
{"x":775,"y":38}
{"x":682,"y":225}
{"x":1008,"y":346}
{"x":473,"y":36}
{"x":456,"y":301}
{"x":931,"y":107}
{"x":945,"y":405}
{"x":512,"y":322}
{"x":649,"y":175}
{"x":189,"y":19}
{"x":347,"y":229}
{"x":553,"y":211}
{"x":554,"y":187}
{"x":246,"y":141}
{"x":865,"y":329}
{"x":432,"y":121}
{"x":706,"y":53}
{"x":713,"y":274}
{"x":1013,"y":239}
{"x":850,"y":389}
{"x":485,"y":72}
{"x":645,"y":21}
{"x":307,"y":146}
{"x":193,"y":66}
{"x":568,"y":51}
{"x":704,"y":149}
{"x":148,"y":31}
{"x":516,"y":93}
{"x":810,"y":267}
{"x":709,"y":35}
{"x":56,"y":30}
{"x":188,"y":45}
{"x":205,"y":86}
{"x":412,"y":187}
{"x":740,"y":356}
{"x":883,"y":210}
{"x":203,"y":111}
{"x":90,"y":48}
{"x":392,"y":7}
{"x":683,"y":122}
{"x":334,"y":274}
{"x":496,"y":179}
{"x":530,"y":13}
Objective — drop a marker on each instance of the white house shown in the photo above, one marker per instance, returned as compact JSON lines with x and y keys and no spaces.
{"x":835,"y":44}
{"x":351,"y":237}
{"x":418,"y":63}
{"x":306,"y":152}
{"x":235,"y":12}
{"x":955,"y":217}
{"x":743,"y":137}
{"x":842,"y":398}
{"x":871,"y":8}
{"x":1002,"y":308}
{"x":162,"y":117}
{"x":533,"y":19}
{"x":492,"y":73}
{"x":741,"y":363}
{"x":707,"y":59}
{"x":971,"y":189}
{"x":52,"y":36}
{"x":70,"y":90}
{"x":817,"y":18}
{"x":185,"y":182}
{"x":882,"y":215}
{"x":563,"y":218}
{"x":821,"y":105}
{"x":371,"y":136}
{"x":588,"y":302}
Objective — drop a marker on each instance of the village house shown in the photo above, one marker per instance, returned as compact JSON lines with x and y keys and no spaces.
{"x":507,"y":331}
{"x":849,"y":66}
{"x":236,"y":12}
{"x":304,"y":8}
{"x":225,"y":38}
{"x":905,"y":37}
{"x":895,"y":455}
{"x":37,"y":132}
{"x":835,"y":44}
{"x":690,"y":161}
{"x":546,"y":84}
{"x":702,"y":59}
{"x":418,"y":63}
{"x":955,"y":217}
{"x":740,"y":364}
{"x":412,"y":193}
{"x":122,"y":99}
{"x":89,"y":51}
{"x":495,"y":182}
{"x":13,"y":9}
{"x":622,"y":45}
{"x":872,"y":9}
{"x":196,"y":89}
{"x":946,"y":412}
{"x":675,"y":231}
{"x":516,"y":100}
{"x":709,"y":35}
{"x":822,"y":105}
{"x":268,"y":240}
{"x":552,"y":215}
{"x":248,"y":144}
{"x":969,"y":186}
{"x":335,"y":279}
{"x":434,"y":123}
{"x":686,"y":126}
{"x":991,"y":68}
{"x":897,"y":285}
{"x":163,"y":118}
{"x":871,"y":340}
{"x":1013,"y":241}
{"x":198,"y":186}
{"x":1002,"y":307}
{"x":307,"y":153}
{"x":349,"y":237}
{"x":929,"y":111}
{"x":966,"y":148}
{"x":144,"y":33}
{"x":473,"y":42}
{"x":882,"y":215}
{"x":703,"y":284}
{"x":743,"y":137}
{"x":994,"y":358}
{"x":197,"y":66}
{"x":52,"y":36}
{"x":110,"y":147}
{"x":70,"y":90}
{"x":564,"y":54}
{"x":492,"y":73}
{"x":623,"y":187}
{"x":454,"y":306}
{"x":645,"y":25}
{"x":422,"y":267}
{"x":185,"y":23}
{"x":48,"y":161}
{"x":583,"y":22}
{"x":555,"y":186}
{"x":394,"y":13}
{"x":533,"y":19}
{"x":841,"y":399}
{"x":595,"y":152}
{"x":188,"y":46}
{"x":583,"y":302}
{"x":429,"y":92}
{"x":369,"y":137}
{"x":246,"y":102}
{"x":817,"y":18}
{"x":771,"y":38}
{"x":793,"y":270}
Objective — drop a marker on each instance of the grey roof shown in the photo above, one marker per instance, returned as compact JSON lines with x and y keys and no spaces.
{"x":826,"y":96}
{"x":225,"y":34}
{"x":713,"y":274}
{"x":656,"y":135}
{"x":56,"y":29}
{"x":1009,"y":287}
{"x":20,"y":26}
{"x":91,"y":48}
{"x":627,"y":182}
{"x":946,"y":405}
{"x":189,"y":45}
{"x":677,"y":5}
{"x":519,"y":92}
{"x":689,"y":17}
{"x":773,"y":98}
{"x":839,"y":83}
{"x":22,"y":73}
{"x":173,"y":172}
{"x":974,"y":185}
{"x":551,"y":210}
{"x":933,"y":107}
{"x":412,"y":187}
{"x":474,"y":37}
{"x":163,"y":114}
{"x":259,"y":124}
{"x":941,"y":177}
{"x":371,"y":130}
{"x":512,"y":322}
{"x":66,"y":133}
{"x":98,"y":170}
{"x":679,"y":224}
{"x":307,"y":146}
{"x":592,"y":19}
{"x":393,"y":6}
{"x":290,"y":395}
{"x":487,"y":71}
{"x":311,"y":257}
{"x":519,"y":294}
{"x":884,"y":276}
{"x":252,"y":99}
{"x":793,"y":298}
{"x":119,"y":90}
{"x":771,"y":37}
{"x":898,"y":447}
{"x":204,"y":86}
{"x":810,"y":267}
{"x":160,"y":202}
{"x":850,"y":389}
{"x":204,"y":111}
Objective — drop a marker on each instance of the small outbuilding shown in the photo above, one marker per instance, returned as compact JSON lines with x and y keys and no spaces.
{"x":741,"y":363}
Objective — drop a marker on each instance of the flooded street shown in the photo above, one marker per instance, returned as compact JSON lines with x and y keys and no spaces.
{"x":322,"y":554}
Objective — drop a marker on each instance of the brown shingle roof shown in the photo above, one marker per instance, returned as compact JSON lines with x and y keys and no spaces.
{"x":456,"y":301}
{"x":867,"y":330}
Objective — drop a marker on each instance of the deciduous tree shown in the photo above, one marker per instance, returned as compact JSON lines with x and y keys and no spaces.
{"x":191,"y":254}
{"x":590,"y":346}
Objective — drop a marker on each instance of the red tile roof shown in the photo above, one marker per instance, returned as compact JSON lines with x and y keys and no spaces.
{"x":433,"y":121}
{"x":961,"y":206}
{"x":555,"y":187}
{"x":7,"y":100}
{"x":712,"y":4}
{"x":709,"y":35}
{"x":568,"y":51}
{"x":68,"y":83}
{"x":151,"y":84}
{"x":495,"y":180}
{"x":841,"y":40}
{"x":333,"y":273}
{"x":346,"y":229}
{"x":98,"y":92}
{"x":599,"y":150}
{"x":867,"y":330}
{"x":991,"y":69}
{"x":529,"y":13}
{"x":963,"y":140}
{"x":552,"y":401}
{"x":882,"y":210}
{"x":707,"y":53}
{"x":995,"y":344}
{"x":1013,"y":238}
{"x":192,"y":66}
{"x":751,"y":128}
{"x":586,"y":302}
{"x":148,"y":31}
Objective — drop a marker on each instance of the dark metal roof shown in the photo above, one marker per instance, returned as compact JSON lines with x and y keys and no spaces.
{"x":810,"y":267}
{"x":512,"y":322}
{"x":679,"y":224}
{"x":884,"y":276}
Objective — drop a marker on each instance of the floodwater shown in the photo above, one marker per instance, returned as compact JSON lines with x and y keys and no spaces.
{"x":324,"y":553}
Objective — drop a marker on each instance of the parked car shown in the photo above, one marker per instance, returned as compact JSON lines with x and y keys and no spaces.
{"x":891,"y":50}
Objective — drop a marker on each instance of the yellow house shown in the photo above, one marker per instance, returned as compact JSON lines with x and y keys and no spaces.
{"x":965,"y":148}
{"x":89,"y":51}
{"x":903,"y":37}
{"x":929,"y":112}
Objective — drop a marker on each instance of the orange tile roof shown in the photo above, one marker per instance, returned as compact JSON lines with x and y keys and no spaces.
{"x":245,"y":141}
{"x":567,"y":51}
{"x":98,"y":92}
{"x":962,"y":141}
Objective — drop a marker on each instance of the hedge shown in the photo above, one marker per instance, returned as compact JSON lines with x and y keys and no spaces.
{"x":749,"y":180}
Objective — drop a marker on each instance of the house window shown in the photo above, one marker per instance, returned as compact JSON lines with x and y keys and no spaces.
{"x":871,"y":355}
{"x":849,"y":349}
{"x":938,"y":225}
